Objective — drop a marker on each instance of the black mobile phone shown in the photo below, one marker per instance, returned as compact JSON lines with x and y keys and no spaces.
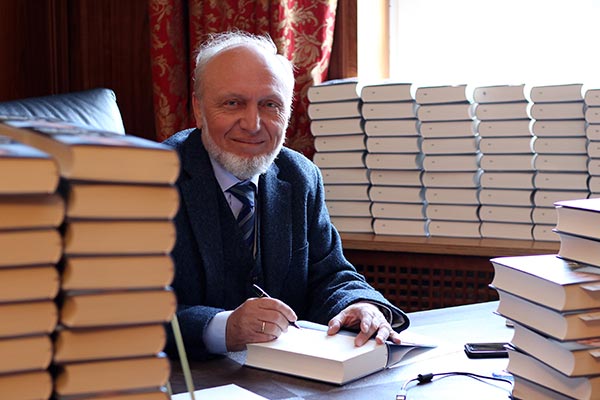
{"x":486,"y":350}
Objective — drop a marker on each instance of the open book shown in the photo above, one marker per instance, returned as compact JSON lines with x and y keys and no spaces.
{"x":310,"y":353}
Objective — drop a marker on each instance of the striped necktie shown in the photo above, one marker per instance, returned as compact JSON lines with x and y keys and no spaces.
{"x":244,"y":191}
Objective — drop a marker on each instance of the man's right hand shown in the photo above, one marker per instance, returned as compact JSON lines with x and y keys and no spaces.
{"x":257,"y":320}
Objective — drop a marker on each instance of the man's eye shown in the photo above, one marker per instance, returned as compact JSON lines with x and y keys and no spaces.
{"x":231,"y":103}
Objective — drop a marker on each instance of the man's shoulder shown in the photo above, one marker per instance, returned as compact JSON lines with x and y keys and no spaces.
{"x":292,"y":160}
{"x":177,"y":139}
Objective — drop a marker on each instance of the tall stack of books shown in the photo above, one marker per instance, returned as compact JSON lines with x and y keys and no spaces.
{"x":592,"y":132}
{"x":559,"y":143}
{"x":393,"y":159}
{"x":506,"y":161}
{"x":115,"y":273}
{"x":337,"y":125}
{"x":554,"y":303}
{"x":30,"y":244}
{"x":450,"y":160}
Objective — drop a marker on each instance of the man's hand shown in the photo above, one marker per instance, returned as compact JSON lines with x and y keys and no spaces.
{"x":369,"y":318}
{"x":257,"y":320}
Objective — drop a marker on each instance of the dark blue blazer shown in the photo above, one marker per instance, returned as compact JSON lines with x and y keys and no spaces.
{"x":300,"y":260}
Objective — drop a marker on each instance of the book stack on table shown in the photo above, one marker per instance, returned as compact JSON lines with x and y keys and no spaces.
{"x":506,"y":161}
{"x":115,"y":271}
{"x":30,"y":245}
{"x":592,"y":133}
{"x":450,"y":160}
{"x":337,"y":125}
{"x":554,"y":302}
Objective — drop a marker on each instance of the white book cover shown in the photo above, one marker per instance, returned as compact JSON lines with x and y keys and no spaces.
{"x":506,"y":230}
{"x":555,"y":93}
{"x":507,"y":180}
{"x":592,"y":114}
{"x":559,"y":128}
{"x":341,"y":208}
{"x":504,"y":128}
{"x":398,"y":210}
{"x":460,"y":145}
{"x":397,"y":144}
{"x":592,"y":97}
{"x":507,"y":162}
{"x":396,"y":194}
{"x":392,"y":127}
{"x":594,"y":185}
{"x":465,"y":229}
{"x":504,"y":145}
{"x":593,"y":149}
{"x":347,"y":192}
{"x":500,"y":111}
{"x":547,"y":198}
{"x":592,"y":132}
{"x":345,"y":175}
{"x":452,"y":212}
{"x":561,"y":181}
{"x":334,"y":90}
{"x":545,"y":232}
{"x":341,"y":126}
{"x":505,"y":197}
{"x":402,"y":227}
{"x":556,"y":145}
{"x":544,"y":215}
{"x":556,"y":111}
{"x":452,"y":196}
{"x":390,"y":177}
{"x":514,"y":214}
{"x":451,"y":179}
{"x":442,"y":94}
{"x":394,"y":161}
{"x":386,"y":91}
{"x":499,"y":93}
{"x":340,"y":143}
{"x":334,"y":110}
{"x":445,"y":129}
{"x":444,"y":112}
{"x":353,"y":224}
{"x":561,"y":162}
{"x":447,"y":162}
{"x":594,"y":166}
{"x":396,"y":110}
{"x":349,"y":159}
{"x":224,"y":392}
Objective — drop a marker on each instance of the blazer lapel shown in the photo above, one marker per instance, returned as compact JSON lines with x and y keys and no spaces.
{"x":202,"y":206}
{"x":276,"y":234}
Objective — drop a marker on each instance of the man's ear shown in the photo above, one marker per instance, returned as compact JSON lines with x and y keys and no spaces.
{"x":197,"y":111}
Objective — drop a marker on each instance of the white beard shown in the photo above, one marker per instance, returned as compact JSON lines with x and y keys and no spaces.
{"x":241,"y":167}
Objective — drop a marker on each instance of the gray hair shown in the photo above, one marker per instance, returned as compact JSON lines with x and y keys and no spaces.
{"x":218,"y":42}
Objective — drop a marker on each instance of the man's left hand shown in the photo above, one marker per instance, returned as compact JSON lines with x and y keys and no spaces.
{"x":370,"y":319}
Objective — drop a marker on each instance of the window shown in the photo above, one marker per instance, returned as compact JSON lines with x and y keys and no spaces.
{"x":487,"y":41}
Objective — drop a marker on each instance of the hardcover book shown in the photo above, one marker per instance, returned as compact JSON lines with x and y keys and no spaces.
{"x":28,"y":211}
{"x":334,"y":90}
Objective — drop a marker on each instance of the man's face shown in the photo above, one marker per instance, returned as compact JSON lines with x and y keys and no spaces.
{"x":243,"y":108}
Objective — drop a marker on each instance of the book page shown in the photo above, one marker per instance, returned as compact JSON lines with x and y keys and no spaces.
{"x":225,"y":392}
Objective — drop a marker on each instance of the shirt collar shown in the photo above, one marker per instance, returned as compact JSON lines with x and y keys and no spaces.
{"x":226,"y":179}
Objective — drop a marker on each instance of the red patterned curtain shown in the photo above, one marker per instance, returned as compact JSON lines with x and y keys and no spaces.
{"x":302,"y":30}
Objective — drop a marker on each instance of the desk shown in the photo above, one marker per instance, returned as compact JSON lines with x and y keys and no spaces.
{"x":451,"y":327}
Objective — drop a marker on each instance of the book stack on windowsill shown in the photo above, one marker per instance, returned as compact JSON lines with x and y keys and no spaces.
{"x":393,"y":158}
{"x":115,"y":270}
{"x":337,"y":125}
{"x":592,"y":132}
{"x":450,"y":160}
{"x":559,"y":143}
{"x":30,"y":244}
{"x":506,"y":161}
{"x":554,"y":302}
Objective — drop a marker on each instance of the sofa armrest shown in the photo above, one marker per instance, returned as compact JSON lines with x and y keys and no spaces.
{"x":96,"y":108}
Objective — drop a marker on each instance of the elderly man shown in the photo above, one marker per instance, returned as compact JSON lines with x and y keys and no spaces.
{"x":253,"y":213}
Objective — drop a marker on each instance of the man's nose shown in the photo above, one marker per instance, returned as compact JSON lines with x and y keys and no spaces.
{"x":250,"y":119}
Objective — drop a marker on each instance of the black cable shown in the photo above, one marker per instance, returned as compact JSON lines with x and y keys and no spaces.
{"x":427,"y":378}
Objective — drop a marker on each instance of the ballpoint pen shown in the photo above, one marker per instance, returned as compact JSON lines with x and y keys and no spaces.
{"x":261,"y":293}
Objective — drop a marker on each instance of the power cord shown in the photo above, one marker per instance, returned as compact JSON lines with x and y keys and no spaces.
{"x":427,"y":378}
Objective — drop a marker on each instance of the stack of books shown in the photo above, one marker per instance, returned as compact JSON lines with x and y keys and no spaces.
{"x":115,"y":272}
{"x":592,"y":132}
{"x":554,"y":302}
{"x":30,"y":244}
{"x":506,"y":161}
{"x":393,"y":159}
{"x":340,"y":145}
{"x":450,"y":160}
{"x":559,"y":143}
